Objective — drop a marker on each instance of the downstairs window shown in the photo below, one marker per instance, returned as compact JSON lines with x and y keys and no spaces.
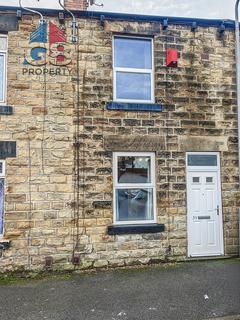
{"x":134,"y":188}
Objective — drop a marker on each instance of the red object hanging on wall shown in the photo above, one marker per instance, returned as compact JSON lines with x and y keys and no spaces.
{"x":172,"y":58}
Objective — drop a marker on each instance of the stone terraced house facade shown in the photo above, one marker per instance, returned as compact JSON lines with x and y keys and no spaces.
{"x":119,"y":148}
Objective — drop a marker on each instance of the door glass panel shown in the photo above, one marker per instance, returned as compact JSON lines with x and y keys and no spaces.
{"x":209,"y":179}
{"x":202,"y":160}
{"x":135,"y":169}
{"x":196,"y":179}
{"x":134,"y":204}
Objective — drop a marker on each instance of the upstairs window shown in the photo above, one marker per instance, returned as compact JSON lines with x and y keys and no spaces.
{"x":3,"y":64}
{"x":133,"y":69}
{"x":2,"y":180}
{"x":134,"y":187}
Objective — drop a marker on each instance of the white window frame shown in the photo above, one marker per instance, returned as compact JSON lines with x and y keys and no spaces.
{"x":3,"y":175}
{"x":4,"y":54}
{"x":117,"y":185}
{"x":133,"y":70}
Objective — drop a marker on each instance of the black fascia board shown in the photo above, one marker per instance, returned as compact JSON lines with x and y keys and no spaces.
{"x":230,"y":24}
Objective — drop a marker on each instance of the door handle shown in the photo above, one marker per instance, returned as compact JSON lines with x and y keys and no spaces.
{"x":218,"y":210}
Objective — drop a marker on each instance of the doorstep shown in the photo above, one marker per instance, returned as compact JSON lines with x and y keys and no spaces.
{"x":189,"y":259}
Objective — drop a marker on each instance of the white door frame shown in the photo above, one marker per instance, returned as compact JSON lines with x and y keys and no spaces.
{"x":206,"y":169}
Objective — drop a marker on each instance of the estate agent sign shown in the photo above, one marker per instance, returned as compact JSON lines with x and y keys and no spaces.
{"x":47,"y":46}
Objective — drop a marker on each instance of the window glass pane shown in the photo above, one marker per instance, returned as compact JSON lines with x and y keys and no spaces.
{"x":134,"y":204}
{"x":1,"y":204}
{"x":133,"y":53}
{"x":209,"y":179}
{"x":135,"y":169}
{"x":1,"y":77}
{"x":136,"y":86}
{"x":3,"y":43}
{"x":202,"y":160}
{"x":196,"y":179}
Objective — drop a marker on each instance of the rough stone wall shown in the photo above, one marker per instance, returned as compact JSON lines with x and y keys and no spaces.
{"x":38,"y":214}
{"x":199,"y":115}
{"x":59,"y":200}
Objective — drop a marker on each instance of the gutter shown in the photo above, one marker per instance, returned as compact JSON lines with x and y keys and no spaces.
{"x":229,"y":24}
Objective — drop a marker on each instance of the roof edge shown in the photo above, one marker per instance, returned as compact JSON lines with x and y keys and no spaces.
{"x":136,"y":17}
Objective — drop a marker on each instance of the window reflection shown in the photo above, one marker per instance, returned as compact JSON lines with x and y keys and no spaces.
{"x":135,"y":86}
{"x":202,"y":160}
{"x":134,"y":169}
{"x":133,"y":53}
{"x":134,"y":204}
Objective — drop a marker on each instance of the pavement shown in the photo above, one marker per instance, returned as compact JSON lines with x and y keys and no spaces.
{"x":187,"y":291}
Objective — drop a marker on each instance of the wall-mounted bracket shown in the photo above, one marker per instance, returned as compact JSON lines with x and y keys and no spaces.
{"x":61,"y":17}
{"x":165,"y":24}
{"x":102,"y":20}
{"x":19,"y":14}
{"x":194,"y":26}
{"x":222,"y":29}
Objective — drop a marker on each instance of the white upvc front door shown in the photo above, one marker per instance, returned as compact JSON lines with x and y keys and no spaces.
{"x":205,"y":229}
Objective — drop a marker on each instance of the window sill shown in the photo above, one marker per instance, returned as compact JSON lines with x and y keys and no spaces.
{"x":135,"y":229}
{"x":130,"y":106}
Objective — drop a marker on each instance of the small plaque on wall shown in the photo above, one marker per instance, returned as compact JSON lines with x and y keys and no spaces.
{"x":8,"y":149}
{"x":6,"y":110}
{"x":8,"y":22}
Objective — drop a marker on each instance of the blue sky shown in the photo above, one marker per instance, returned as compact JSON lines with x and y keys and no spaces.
{"x":223,"y":9}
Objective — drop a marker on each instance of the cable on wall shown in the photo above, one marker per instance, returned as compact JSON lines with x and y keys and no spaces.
{"x":169,"y":248}
{"x":44,"y":116}
{"x":41,"y":21}
{"x":73,"y":24}
{"x":79,"y":181}
{"x":77,"y":156}
{"x":30,"y":198}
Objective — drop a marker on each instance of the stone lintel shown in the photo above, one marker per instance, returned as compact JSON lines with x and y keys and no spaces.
{"x":137,"y":28}
{"x":202,"y":144}
{"x":134,"y":143}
